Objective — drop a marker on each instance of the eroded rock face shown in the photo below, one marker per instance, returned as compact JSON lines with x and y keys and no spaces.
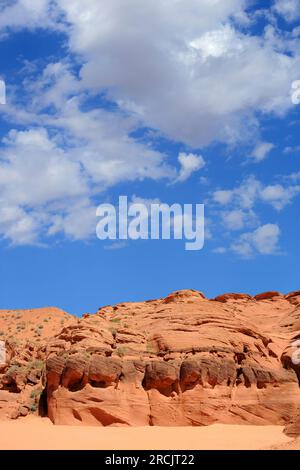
{"x":182,"y":360}
{"x":26,"y":334}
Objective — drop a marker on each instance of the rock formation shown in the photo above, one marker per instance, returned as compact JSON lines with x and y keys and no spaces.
{"x":181,"y":360}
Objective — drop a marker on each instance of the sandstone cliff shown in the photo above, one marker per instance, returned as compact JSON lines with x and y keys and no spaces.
{"x":181,"y":360}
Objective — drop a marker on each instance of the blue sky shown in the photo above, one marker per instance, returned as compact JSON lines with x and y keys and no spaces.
{"x":181,"y":102}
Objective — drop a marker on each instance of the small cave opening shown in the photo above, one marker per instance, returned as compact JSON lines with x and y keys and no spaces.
{"x":99,"y":384}
{"x":76,"y":386}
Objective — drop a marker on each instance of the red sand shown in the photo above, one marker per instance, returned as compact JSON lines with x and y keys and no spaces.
{"x":39,"y":434}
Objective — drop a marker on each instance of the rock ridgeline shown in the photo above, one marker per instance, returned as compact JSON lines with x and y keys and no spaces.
{"x":177,"y":361}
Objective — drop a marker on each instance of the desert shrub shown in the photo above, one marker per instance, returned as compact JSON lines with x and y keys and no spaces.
{"x":36,"y":364}
{"x":13,"y":368}
{"x":86,"y":354}
{"x":113,"y":331}
{"x":35,"y":394}
{"x":34,"y":407}
{"x":115,"y":320}
{"x":120,"y":351}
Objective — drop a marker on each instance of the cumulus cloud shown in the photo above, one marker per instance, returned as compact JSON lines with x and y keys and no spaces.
{"x":234,"y":220}
{"x":264,"y":240}
{"x":36,"y":171}
{"x":238,"y":219}
{"x":288,"y":9}
{"x":279,"y":196}
{"x":29,"y":14}
{"x":53,"y":172}
{"x":239,"y":209}
{"x":76,"y":221}
{"x":190,"y":163}
{"x":251,"y":191}
{"x":261,"y":151}
{"x":243,"y":196}
{"x":223,"y":196}
{"x":19,"y":226}
{"x":188,"y":71}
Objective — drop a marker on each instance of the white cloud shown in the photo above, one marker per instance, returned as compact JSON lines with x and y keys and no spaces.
{"x":261,"y":151}
{"x":223,"y":196}
{"x":37,"y":179}
{"x":237,"y":209}
{"x":221,"y":250}
{"x":187,"y":71}
{"x":190,"y":163}
{"x":289,"y":9}
{"x":51,"y":172}
{"x":237,"y":219}
{"x":252,"y":191}
{"x":28,"y":14}
{"x":181,"y":67}
{"x":294,"y":149}
{"x":76,"y":222}
{"x":17,"y":225}
{"x":264,"y":240}
{"x":279,"y":196}
{"x":218,"y":43}
{"x":295,"y":176}
{"x":234,"y":220}
{"x":242,"y":197}
{"x":36,"y":171}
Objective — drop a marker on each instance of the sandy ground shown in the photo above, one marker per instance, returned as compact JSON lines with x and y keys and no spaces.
{"x":37,"y":433}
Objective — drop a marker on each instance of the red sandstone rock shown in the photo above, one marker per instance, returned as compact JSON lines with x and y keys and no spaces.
{"x":292,"y":294}
{"x":184,"y":296}
{"x":267,"y":295}
{"x":182,"y":360}
{"x":226,"y":297}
